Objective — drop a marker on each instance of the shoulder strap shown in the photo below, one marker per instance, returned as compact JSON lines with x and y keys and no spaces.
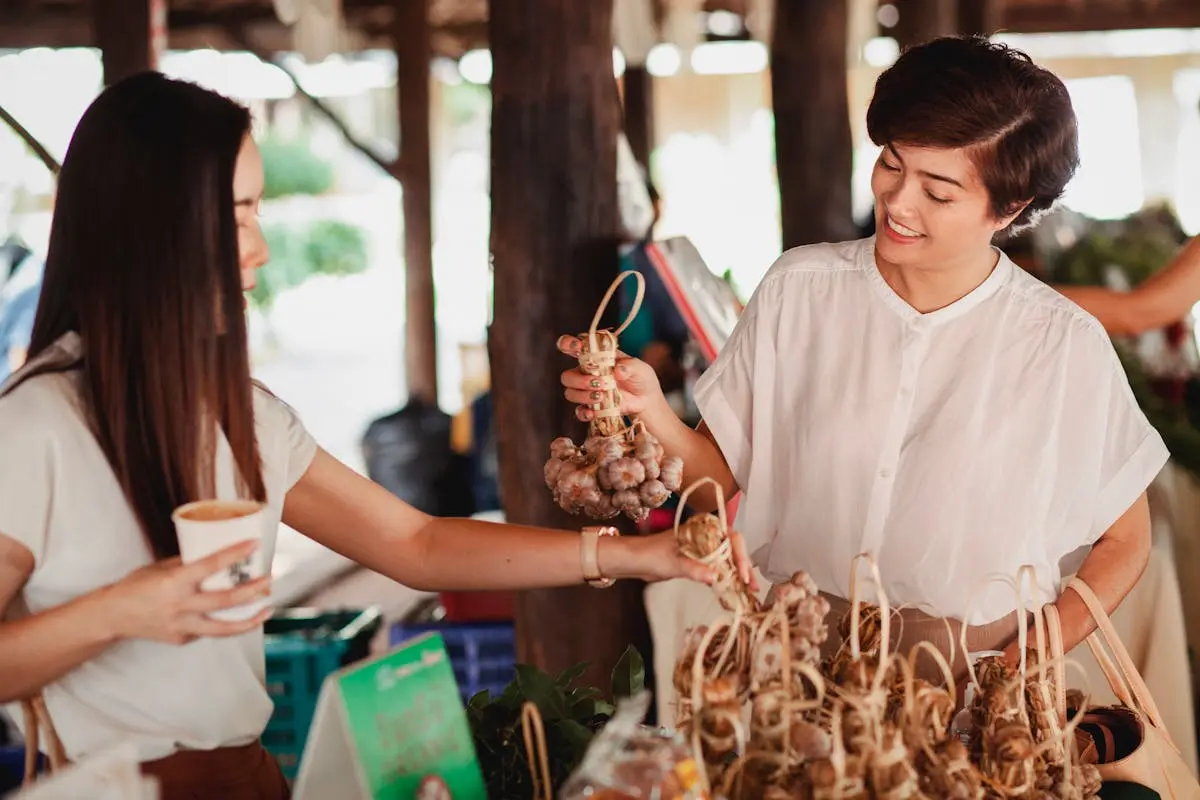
{"x":1131,"y":684}
{"x":1054,"y":628}
{"x":37,"y":721}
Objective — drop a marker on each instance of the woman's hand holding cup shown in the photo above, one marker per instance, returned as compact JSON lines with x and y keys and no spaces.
{"x":164,"y":601}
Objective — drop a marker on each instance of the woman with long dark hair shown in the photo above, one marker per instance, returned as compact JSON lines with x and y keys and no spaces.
{"x":137,"y":399}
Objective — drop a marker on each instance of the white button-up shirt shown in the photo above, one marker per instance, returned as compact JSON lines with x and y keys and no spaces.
{"x":955,"y":446}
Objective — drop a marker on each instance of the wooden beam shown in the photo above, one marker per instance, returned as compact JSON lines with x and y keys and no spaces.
{"x":813,"y":145}
{"x":21,"y":29}
{"x":249,"y":43}
{"x":189,"y":30}
{"x":638,"y":99}
{"x":658,"y":10}
{"x":31,"y":141}
{"x":555,"y":223}
{"x":989,"y":16}
{"x":1098,"y":16}
{"x":131,"y":35}
{"x":412,"y":43}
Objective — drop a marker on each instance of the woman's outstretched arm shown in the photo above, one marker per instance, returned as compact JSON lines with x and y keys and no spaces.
{"x":346,"y":512}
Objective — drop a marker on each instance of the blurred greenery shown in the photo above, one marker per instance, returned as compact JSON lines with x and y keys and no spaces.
{"x":466,"y":102}
{"x":298,"y":253}
{"x":291,"y":168}
{"x":1140,"y":245}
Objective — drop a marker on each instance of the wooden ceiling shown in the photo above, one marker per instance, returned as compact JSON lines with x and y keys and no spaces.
{"x":460,"y":25}
{"x":1051,"y":16}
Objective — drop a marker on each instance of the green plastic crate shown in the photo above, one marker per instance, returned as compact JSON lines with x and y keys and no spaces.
{"x":303,"y":646}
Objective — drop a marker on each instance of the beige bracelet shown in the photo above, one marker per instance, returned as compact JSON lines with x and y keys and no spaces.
{"x":589,"y":555}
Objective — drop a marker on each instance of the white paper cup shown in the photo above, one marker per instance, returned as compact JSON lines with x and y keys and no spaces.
{"x":206,"y":526}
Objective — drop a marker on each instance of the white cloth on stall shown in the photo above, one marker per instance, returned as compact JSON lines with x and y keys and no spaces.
{"x":1176,"y":496}
{"x":956,"y":446}
{"x":60,"y":499}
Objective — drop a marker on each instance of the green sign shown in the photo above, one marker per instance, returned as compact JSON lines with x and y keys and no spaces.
{"x":401,"y":724}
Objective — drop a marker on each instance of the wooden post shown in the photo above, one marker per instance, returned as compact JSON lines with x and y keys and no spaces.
{"x":411,"y":36}
{"x":813,"y":146}
{"x":922,"y":20}
{"x":131,"y":35}
{"x":555,"y":222}
{"x":639,"y":112}
{"x":979,"y":17}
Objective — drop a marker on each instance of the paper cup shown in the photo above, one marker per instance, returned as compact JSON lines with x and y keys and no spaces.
{"x":206,"y":526}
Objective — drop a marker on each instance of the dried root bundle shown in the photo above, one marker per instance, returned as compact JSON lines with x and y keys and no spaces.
{"x":805,"y":610}
{"x":620,"y":468}
{"x":947,"y":772}
{"x":1021,"y":739}
{"x":861,"y":725}
{"x":722,"y":650}
{"x":705,"y":538}
{"x":764,"y":657}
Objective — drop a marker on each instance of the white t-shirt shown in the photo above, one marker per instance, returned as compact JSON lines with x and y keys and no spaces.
{"x":954,"y":446}
{"x":60,"y":498}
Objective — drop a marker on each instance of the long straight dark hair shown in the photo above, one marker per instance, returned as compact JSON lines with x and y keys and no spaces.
{"x":143,"y":265}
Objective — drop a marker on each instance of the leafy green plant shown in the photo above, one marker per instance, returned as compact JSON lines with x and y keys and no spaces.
{"x":1138,"y":250}
{"x":571,"y":716}
{"x":291,"y":168}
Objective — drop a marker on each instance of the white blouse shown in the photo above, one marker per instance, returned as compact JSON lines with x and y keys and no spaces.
{"x":60,"y":498}
{"x":955,"y":446}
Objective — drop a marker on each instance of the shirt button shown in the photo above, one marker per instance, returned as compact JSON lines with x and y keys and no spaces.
{"x":885,"y":473}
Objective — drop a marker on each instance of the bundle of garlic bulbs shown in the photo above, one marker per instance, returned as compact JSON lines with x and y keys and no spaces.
{"x":620,"y":468}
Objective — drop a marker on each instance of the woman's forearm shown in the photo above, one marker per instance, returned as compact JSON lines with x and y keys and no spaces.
{"x":1168,"y":295}
{"x":469,"y":555}
{"x":40,"y":649}
{"x":1117,"y":312}
{"x":358,"y":518}
{"x":1164,"y":298}
{"x":699,"y":452}
{"x":1112,"y":569}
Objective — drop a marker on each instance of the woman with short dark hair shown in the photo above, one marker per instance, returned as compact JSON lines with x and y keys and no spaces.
{"x":917,"y":396}
{"x":136,"y":400}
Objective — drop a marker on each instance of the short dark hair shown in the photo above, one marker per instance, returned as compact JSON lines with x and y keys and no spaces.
{"x":1014,"y":117}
